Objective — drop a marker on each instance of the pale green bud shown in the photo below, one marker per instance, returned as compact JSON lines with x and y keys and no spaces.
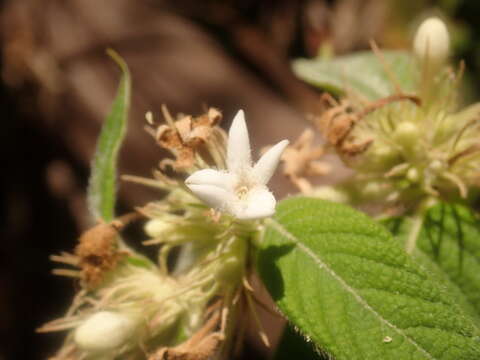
{"x":432,"y":41}
{"x":158,"y":227}
{"x":105,"y":331}
{"x":231,"y":265}
{"x":436,"y":165}
{"x":406,"y":133}
{"x":413,"y":175}
{"x":381,"y":156}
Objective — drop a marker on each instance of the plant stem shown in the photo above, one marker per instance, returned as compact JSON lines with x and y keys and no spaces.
{"x":414,"y":232}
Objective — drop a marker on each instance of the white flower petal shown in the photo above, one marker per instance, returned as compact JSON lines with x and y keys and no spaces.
{"x":214,"y":196}
{"x":238,"y":150}
{"x":211,"y":177}
{"x":265,"y":167}
{"x":260,"y":203}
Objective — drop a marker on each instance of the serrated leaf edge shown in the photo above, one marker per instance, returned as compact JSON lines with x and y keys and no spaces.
{"x":282,"y":231}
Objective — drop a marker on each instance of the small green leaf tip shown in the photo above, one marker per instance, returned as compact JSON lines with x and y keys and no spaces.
{"x":102,"y":184}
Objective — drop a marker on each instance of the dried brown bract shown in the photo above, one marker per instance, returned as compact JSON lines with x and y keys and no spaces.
{"x":201,"y":346}
{"x":188,"y":135}
{"x":337,"y":123}
{"x":97,"y":253}
{"x":300,"y":160}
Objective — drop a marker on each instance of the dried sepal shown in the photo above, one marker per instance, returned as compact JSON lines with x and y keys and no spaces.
{"x":188,"y":137}
{"x":339,"y":121}
{"x":301,"y":160}
{"x":96,"y":254}
{"x":200,"y":346}
{"x":336,"y":125}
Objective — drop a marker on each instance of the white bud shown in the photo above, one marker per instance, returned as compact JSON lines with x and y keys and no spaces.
{"x":104,"y":331}
{"x":432,"y":41}
{"x":406,"y":133}
{"x":159,"y":226}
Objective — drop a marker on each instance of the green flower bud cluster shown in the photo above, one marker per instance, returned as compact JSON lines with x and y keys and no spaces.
{"x":420,"y":145}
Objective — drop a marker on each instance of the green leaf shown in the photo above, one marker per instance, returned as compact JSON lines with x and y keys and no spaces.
{"x":102,"y":185}
{"x":345,"y":282}
{"x":450,"y":237}
{"x":400,"y":227}
{"x":363,"y":72}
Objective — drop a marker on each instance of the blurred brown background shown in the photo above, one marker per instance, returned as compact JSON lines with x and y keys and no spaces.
{"x":57,"y":85}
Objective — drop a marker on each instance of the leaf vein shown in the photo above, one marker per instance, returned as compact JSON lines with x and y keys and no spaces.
{"x":322,"y":265}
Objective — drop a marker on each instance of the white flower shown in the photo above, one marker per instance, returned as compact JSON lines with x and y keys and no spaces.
{"x":432,"y":41}
{"x":241,"y":190}
{"x":104,"y":330}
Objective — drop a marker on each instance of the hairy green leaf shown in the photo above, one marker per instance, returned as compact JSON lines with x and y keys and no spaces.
{"x":365,"y":73}
{"x":450,"y":237}
{"x":347,"y":284}
{"x":102,"y":186}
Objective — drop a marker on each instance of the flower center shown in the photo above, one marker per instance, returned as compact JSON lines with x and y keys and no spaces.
{"x":241,"y":191}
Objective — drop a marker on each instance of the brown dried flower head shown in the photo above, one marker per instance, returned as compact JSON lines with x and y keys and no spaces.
{"x":188,"y":135}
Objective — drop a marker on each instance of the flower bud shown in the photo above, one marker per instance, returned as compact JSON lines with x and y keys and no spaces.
{"x":158,"y":226}
{"x":432,"y":41}
{"x":436,"y":165}
{"x":413,"y":175}
{"x":406,"y":133}
{"x":104,"y":331}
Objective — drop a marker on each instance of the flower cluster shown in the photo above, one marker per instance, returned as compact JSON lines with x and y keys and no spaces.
{"x":406,"y":148}
{"x":182,"y":304}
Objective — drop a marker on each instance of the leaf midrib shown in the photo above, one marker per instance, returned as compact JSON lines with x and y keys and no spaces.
{"x":322,"y":265}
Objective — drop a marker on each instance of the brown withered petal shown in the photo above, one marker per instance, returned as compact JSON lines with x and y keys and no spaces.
{"x":301,"y":159}
{"x":168,"y":138}
{"x":184,"y":126}
{"x":200,"y":346}
{"x":185,"y":136}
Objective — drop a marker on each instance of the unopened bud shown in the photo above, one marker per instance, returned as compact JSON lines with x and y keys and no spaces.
{"x":432,"y":41}
{"x":159,"y":226}
{"x":104,"y":331}
{"x":436,"y":165}
{"x":406,"y":133}
{"x":413,"y":175}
